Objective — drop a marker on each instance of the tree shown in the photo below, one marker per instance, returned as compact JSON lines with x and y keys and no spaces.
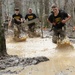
{"x":46,"y":4}
{"x":18,"y":4}
{"x":3,"y":51}
{"x":41,"y":10}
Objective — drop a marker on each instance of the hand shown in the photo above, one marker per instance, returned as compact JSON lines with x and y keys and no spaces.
{"x":74,"y":28}
{"x":17,"y":19}
{"x":63,"y":21}
{"x":54,"y":23}
{"x":9,"y":24}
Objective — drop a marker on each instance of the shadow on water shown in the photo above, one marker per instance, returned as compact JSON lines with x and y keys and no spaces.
{"x":14,"y":61}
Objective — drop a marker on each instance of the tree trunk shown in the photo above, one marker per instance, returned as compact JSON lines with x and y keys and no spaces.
{"x":46,"y":12}
{"x":18,"y":4}
{"x":3,"y":51}
{"x":41,"y":11}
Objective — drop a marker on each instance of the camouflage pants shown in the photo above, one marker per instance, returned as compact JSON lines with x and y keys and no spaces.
{"x":58,"y":34}
{"x":31,"y":30}
{"x":5,"y":26}
{"x":17,"y":30}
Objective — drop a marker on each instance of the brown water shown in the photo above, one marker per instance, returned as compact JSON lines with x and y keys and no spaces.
{"x":62,"y":62}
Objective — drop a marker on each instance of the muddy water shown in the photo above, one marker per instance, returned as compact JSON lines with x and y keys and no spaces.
{"x":31,"y":47}
{"x":62,"y":62}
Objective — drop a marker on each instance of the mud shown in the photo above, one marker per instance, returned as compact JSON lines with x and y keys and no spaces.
{"x":15,"y":61}
{"x":37,"y":50}
{"x":65,"y":46}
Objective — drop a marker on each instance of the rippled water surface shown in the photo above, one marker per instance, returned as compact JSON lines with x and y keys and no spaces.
{"x":61,"y":62}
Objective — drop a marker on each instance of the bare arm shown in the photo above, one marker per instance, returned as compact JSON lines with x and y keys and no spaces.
{"x":66,"y":19}
{"x":22,"y":20}
{"x":9,"y":24}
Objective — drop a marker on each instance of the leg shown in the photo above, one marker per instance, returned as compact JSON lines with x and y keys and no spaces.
{"x":31,"y":30}
{"x":16,"y":31}
{"x":55,"y":37}
{"x":62,"y":34}
{"x":22,"y":27}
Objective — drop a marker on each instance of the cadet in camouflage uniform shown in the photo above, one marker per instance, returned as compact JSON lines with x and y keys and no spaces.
{"x":58,"y":18}
{"x":31,"y":27}
{"x":17,"y":21}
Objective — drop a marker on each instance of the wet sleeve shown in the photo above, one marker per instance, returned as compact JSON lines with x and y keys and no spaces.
{"x":50,"y":18}
{"x":25,"y":17}
{"x":21,"y":16}
{"x":35,"y":16}
{"x":12,"y":20}
{"x":12,"y":16}
{"x":65,"y":14}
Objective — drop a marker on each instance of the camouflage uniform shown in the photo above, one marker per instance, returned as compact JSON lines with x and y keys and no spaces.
{"x":17,"y":23}
{"x":31,"y":27}
{"x":31,"y":30}
{"x":58,"y":34}
{"x":17,"y":30}
{"x":58,"y":27}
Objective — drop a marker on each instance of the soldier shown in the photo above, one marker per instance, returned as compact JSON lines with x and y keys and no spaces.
{"x":58,"y":18}
{"x":31,"y":27}
{"x":17,"y":21}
